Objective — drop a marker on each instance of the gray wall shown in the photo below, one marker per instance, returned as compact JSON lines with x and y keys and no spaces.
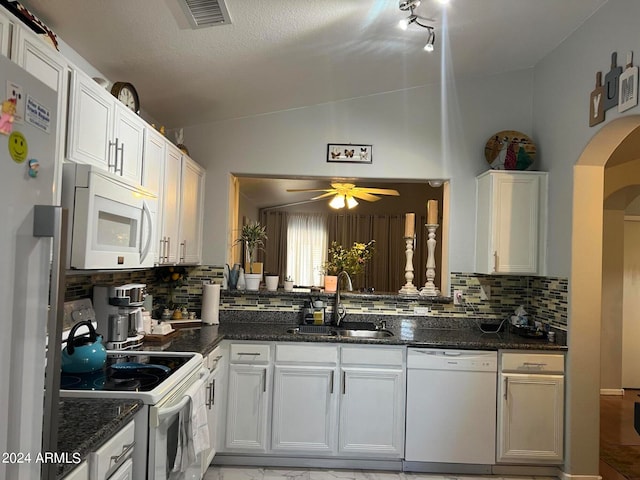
{"x":409,"y":140}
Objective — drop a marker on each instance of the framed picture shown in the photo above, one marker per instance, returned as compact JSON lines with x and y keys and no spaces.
{"x":349,"y":153}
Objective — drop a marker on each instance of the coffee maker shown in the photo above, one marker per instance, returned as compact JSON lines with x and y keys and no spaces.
{"x":119,"y":314}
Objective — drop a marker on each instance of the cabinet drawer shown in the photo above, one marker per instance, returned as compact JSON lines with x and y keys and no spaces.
{"x":307,"y":353}
{"x":115,"y":451}
{"x":373,"y":355}
{"x":532,"y":362}
{"x":249,"y":353}
{"x":214,"y":358}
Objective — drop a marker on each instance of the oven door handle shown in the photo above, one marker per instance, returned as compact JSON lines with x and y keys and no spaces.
{"x":162,"y":414}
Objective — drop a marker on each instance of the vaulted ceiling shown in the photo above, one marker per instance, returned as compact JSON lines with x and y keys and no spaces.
{"x":284,"y":54}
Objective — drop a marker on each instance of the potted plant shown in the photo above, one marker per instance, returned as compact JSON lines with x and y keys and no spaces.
{"x":252,"y":236}
{"x":351,"y":261}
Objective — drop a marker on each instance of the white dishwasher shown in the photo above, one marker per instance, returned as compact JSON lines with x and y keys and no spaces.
{"x":451,"y":410}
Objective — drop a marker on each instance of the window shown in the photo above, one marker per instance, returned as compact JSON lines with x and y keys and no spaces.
{"x":306,"y":247}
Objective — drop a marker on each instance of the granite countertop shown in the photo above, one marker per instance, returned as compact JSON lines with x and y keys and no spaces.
{"x":412,"y":332}
{"x":85,"y":424}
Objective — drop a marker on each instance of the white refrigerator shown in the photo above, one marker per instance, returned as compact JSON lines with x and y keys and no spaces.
{"x":30,"y":273}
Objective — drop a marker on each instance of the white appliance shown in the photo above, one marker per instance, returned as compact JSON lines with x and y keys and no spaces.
{"x":30,"y":231}
{"x":110,"y":300}
{"x":451,"y":410}
{"x":164,"y":402}
{"x":113,"y":222}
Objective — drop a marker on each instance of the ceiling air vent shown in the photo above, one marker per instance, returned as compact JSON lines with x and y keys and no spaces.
{"x":206,"y":13}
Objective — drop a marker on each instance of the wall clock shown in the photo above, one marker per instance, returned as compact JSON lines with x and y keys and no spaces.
{"x":126,"y":93}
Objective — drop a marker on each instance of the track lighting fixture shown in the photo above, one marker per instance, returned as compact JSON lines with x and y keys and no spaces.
{"x":410,"y":6}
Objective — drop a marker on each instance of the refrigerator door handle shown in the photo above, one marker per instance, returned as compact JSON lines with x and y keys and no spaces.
{"x":52,"y":221}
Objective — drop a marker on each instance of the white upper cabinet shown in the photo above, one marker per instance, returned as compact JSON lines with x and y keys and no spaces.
{"x":102,"y":132}
{"x":511,"y":216}
{"x":46,"y":64}
{"x":171,"y":205}
{"x":5,"y":32}
{"x":191,"y":211}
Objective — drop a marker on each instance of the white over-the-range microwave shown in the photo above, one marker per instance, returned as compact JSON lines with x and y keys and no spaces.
{"x":112,"y":222}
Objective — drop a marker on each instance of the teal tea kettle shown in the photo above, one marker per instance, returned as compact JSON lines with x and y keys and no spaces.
{"x":83,"y":354}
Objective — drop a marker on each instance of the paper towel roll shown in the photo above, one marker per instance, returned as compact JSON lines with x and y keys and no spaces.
{"x":210,"y":303}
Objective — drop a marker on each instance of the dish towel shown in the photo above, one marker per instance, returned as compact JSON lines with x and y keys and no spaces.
{"x":193,"y":433}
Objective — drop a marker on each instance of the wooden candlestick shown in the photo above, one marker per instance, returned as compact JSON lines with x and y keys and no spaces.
{"x":408,"y":288}
{"x":429,"y":289}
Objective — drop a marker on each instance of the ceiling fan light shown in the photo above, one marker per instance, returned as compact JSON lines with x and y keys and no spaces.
{"x":337,"y":202}
{"x":351,"y":202}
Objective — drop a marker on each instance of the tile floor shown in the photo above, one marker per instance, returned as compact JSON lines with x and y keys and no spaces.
{"x":248,"y":473}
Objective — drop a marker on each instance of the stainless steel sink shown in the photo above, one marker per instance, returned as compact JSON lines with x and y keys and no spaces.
{"x":365,"y":333}
{"x":328,"y":330}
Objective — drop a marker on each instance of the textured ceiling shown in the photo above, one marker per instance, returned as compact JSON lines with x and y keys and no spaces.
{"x":283,"y":54}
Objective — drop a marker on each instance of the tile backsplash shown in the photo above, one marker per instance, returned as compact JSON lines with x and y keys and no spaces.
{"x":485,"y":296}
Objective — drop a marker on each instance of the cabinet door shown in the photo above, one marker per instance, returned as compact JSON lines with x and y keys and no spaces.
{"x":51,"y":68}
{"x":511,"y":216}
{"x":153,"y":161}
{"x":81,"y":472}
{"x":90,"y":123}
{"x":530,"y":418}
{"x":372,"y":412}
{"x":247,"y":402}
{"x":129,"y":133}
{"x":191,"y":212}
{"x":171,"y":205}
{"x":5,"y":32}
{"x":304,"y":409}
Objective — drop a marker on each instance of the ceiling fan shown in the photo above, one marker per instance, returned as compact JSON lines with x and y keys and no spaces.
{"x":347,"y":193}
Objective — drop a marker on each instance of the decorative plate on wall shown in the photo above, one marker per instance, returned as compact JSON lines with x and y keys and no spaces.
{"x":510,"y":150}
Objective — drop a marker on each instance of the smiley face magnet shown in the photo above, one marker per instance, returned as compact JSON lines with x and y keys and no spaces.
{"x":18,"y":147}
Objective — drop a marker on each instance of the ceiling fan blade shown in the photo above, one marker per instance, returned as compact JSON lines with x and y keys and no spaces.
{"x":364,"y":196}
{"x":309,"y":189}
{"x":328,"y":194}
{"x":379,"y":191}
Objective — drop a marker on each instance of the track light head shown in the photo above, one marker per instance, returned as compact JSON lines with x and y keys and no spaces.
{"x":408,"y":5}
{"x":405,"y":22}
{"x":431,"y":40}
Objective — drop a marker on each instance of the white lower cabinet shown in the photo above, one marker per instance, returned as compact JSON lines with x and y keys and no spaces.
{"x":305,"y":397}
{"x":248,"y":397}
{"x":113,"y":460}
{"x":81,"y":472}
{"x":216,"y":362}
{"x":372,"y":401}
{"x":531,"y":409}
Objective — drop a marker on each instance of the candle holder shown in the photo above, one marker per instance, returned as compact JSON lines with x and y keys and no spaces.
{"x":429,"y":289}
{"x":408,"y":288}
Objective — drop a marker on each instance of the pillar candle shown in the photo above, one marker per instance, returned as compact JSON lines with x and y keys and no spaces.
{"x":432,"y":212}
{"x":409,"y":224}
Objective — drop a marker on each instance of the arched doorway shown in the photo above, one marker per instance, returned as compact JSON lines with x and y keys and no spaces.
{"x":608,"y":164}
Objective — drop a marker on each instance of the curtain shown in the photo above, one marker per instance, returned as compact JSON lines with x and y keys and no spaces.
{"x":274,"y":254}
{"x":385,"y":271}
{"x":307,"y":247}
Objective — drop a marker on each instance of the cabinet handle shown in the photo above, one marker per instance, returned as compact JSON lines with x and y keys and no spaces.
{"x":331,"y":384}
{"x":264,"y":380}
{"x":506,"y":387}
{"x":183,"y":245}
{"x":168,"y":245}
{"x":208,"y":402}
{"x":115,"y":154}
{"x":533,"y":364}
{"x":121,"y":158}
{"x":126,"y":449}
{"x":244,"y":354}
{"x":495,"y":261}
{"x":344,"y":383}
{"x":213,"y":392}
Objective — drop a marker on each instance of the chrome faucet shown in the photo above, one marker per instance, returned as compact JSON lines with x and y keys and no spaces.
{"x":339,"y":312}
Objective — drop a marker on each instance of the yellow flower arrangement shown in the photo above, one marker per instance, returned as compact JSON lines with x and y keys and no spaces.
{"x":351,"y":261}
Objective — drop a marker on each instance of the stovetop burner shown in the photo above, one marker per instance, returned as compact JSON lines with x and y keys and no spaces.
{"x":126,"y":372}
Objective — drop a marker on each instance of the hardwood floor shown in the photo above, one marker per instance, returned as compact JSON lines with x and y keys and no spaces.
{"x":619,"y":442}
